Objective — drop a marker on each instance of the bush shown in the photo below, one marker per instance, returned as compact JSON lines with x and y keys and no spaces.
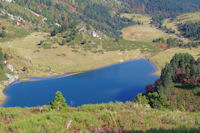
{"x":141,"y":99}
{"x":157,"y":100}
{"x":3,"y":34}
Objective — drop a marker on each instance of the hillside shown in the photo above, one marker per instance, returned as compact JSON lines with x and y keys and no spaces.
{"x":103,"y":15}
{"x":42,"y":61}
{"x":118,"y":117}
{"x":177,"y":24}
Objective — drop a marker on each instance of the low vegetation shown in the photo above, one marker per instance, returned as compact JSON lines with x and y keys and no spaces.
{"x":112,"y":117}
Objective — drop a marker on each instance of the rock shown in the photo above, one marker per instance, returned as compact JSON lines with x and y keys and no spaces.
{"x":11,"y":79}
{"x":95,"y":34}
{"x":121,"y":60}
{"x":10,"y":67}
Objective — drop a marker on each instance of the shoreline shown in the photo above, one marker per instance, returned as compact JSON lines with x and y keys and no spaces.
{"x":4,"y":87}
{"x":4,"y":97}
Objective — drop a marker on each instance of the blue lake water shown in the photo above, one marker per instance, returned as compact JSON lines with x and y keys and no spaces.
{"x":119,"y":82}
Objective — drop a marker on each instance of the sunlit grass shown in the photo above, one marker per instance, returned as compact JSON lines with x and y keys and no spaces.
{"x":129,"y":117}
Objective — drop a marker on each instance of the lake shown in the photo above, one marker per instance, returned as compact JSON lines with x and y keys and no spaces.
{"x":119,"y":82}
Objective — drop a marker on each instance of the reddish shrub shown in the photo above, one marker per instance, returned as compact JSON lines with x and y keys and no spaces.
{"x":191,"y":108}
{"x":176,"y":91}
{"x":149,"y":88}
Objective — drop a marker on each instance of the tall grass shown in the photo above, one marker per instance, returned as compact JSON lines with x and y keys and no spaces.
{"x":111,"y":117}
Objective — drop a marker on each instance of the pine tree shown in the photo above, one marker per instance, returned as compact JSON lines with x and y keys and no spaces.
{"x":59,"y":102}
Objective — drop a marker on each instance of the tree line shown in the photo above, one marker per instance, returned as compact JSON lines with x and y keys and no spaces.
{"x":162,"y":9}
{"x":174,"y":42}
{"x":190,"y":30}
{"x":102,"y":15}
{"x":182,"y":72}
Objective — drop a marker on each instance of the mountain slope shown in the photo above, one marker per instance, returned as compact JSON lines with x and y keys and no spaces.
{"x":119,"y":117}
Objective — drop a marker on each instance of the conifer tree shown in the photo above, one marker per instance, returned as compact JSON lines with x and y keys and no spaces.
{"x":59,"y":102}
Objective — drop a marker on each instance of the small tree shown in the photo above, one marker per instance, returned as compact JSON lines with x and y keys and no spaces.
{"x":3,"y":28}
{"x":88,"y":27}
{"x":157,"y":100}
{"x":141,"y":99}
{"x":54,"y":32}
{"x":3,"y":34}
{"x":6,"y":56}
{"x":59,"y":102}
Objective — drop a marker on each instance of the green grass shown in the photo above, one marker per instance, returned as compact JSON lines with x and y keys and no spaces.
{"x":18,"y":32}
{"x":128,"y":117}
{"x":144,"y":19}
{"x":184,"y":97}
{"x":13,"y":31}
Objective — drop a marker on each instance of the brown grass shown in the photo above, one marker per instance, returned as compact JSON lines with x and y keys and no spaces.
{"x":145,"y":32}
{"x":47,"y":62}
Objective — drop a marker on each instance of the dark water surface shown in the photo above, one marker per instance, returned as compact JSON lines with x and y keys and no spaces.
{"x":120,"y":82}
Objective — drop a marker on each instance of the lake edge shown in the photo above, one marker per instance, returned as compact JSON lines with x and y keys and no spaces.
{"x":72,"y":74}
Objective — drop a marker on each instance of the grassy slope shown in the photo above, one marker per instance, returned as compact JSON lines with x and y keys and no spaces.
{"x":144,"y":32}
{"x":129,"y":117}
{"x":46,"y":62}
{"x":147,"y":33}
{"x":12,"y":31}
{"x":181,"y":19}
{"x":145,"y":19}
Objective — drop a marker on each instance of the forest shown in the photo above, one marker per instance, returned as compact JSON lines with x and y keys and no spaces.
{"x":98,"y":14}
{"x":162,"y":9}
{"x":102,"y":15}
{"x":190,"y":30}
{"x":100,"y":18}
{"x":178,"y":86}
